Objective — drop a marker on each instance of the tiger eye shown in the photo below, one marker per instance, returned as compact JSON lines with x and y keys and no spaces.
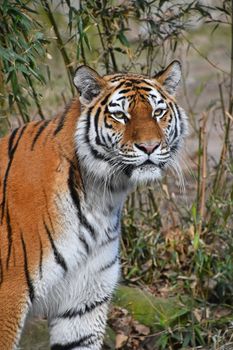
{"x":120,"y":116}
{"x":158,"y":112}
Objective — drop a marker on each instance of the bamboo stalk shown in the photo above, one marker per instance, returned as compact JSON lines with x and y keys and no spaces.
{"x":199,"y":172}
{"x":106,"y":60}
{"x":225,"y":146}
{"x":61,"y":46}
{"x":110,"y":49}
{"x":83,"y":55}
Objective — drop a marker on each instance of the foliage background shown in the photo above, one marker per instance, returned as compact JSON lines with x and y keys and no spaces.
{"x":177,"y":236}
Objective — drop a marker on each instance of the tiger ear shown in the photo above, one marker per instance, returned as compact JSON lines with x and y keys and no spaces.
{"x":169,"y":77}
{"x":88,"y":83}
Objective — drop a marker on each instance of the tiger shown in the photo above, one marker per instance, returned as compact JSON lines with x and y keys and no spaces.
{"x":63,"y":183}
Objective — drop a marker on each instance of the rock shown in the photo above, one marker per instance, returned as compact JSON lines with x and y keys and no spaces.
{"x":151,"y":311}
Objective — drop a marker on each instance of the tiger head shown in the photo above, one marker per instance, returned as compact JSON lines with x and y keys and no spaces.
{"x":130,"y":126}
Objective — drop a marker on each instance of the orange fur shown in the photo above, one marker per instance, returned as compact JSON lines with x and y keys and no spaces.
{"x":32,"y":178}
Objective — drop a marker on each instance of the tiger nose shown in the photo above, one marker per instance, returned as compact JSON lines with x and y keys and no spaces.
{"x":147,"y":147}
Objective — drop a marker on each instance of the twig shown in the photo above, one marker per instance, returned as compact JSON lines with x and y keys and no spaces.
{"x":203,"y":56}
{"x":203,"y":170}
{"x":222,"y":102}
{"x":36,"y":98}
{"x":229,"y":116}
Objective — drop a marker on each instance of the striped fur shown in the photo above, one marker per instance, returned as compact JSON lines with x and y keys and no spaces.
{"x":63,"y":184}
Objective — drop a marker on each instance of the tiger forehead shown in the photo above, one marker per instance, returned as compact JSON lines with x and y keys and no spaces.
{"x":133,"y":90}
{"x":131,"y":80}
{"x":135,"y":85}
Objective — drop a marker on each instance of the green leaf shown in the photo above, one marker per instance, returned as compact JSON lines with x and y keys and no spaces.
{"x":14,"y":83}
{"x":121,"y":36}
{"x":196,"y":240}
{"x":85,"y":37}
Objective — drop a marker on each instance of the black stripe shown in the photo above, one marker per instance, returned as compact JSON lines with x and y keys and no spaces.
{"x":39,"y":132}
{"x":121,"y":98}
{"x":9,"y":237}
{"x":88,"y":125}
{"x":119,"y":85}
{"x":110,"y":240}
{"x":117,"y":78}
{"x":129,"y":84}
{"x":118,"y":221}
{"x":58,"y":257}
{"x":104,"y":139}
{"x":86,"y":340}
{"x":174,"y":147}
{"x":128,"y":170}
{"x":142,"y":96}
{"x":180,"y":119}
{"x":11,"y":140}
{"x":162,"y":94}
{"x":110,"y":264}
{"x":1,"y":271}
{"x":74,"y":163}
{"x":41,"y":259}
{"x":72,"y":184}
{"x":172,"y":107}
{"x":113,"y":104}
{"x":26,"y":271}
{"x":124,"y":91}
{"x":85,"y":244}
{"x":161,"y":165}
{"x":178,"y":111}
{"x":11,"y":156}
{"x":111,"y":141}
{"x":175,"y":132}
{"x":94,"y":152}
{"x":105,"y":100}
{"x":71,"y":313}
{"x":61,"y":121}
{"x":109,"y":126}
{"x":144,"y":88}
{"x":96,"y":118}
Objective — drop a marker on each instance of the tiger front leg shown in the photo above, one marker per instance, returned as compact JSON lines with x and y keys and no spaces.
{"x":80,"y":328}
{"x":14,"y":306}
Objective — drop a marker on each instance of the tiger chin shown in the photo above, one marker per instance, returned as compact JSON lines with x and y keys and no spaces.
{"x":63,"y":183}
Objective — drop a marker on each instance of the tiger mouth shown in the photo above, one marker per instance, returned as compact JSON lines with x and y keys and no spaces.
{"x":148,"y":163}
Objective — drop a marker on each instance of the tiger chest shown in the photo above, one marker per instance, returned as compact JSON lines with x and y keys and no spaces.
{"x":85,"y":266}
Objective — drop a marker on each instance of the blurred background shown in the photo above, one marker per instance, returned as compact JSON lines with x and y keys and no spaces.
{"x":176,"y":289}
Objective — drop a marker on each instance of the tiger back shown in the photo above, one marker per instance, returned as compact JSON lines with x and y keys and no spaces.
{"x":63,"y":183}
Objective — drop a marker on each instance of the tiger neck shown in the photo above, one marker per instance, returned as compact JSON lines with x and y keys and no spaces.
{"x":106,"y":199}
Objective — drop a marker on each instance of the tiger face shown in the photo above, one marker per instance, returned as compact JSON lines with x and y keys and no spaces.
{"x":131,"y":127}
